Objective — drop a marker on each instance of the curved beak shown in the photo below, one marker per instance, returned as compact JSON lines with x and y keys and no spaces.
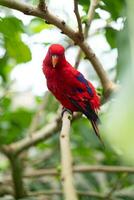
{"x":54,"y":60}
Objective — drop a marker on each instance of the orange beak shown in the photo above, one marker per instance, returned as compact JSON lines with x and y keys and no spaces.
{"x":54,"y":60}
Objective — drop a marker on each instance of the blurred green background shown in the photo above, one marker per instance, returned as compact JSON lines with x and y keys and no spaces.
{"x":24,"y":41}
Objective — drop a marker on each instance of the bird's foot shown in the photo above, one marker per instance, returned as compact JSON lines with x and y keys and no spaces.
{"x":64,"y":110}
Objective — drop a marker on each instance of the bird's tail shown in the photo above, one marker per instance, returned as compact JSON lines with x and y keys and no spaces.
{"x":91,"y":115}
{"x":96,"y":130}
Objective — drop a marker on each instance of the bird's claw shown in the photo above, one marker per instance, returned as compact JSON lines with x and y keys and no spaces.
{"x":64,"y":110}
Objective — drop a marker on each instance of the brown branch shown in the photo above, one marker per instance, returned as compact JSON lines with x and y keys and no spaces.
{"x":43,"y":134}
{"x":77,"y":169}
{"x":108,"y":85}
{"x":81,"y":169}
{"x":16,"y":167}
{"x":103,"y":168}
{"x":78,"y":59}
{"x":76,"y":11}
{"x":59,"y":192}
{"x":90,"y":17}
{"x":66,"y":159}
{"x":97,"y":195}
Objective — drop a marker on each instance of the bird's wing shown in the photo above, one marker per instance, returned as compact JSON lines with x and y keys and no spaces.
{"x":84,"y":84}
{"x":86,"y":100}
{"x":82,"y":90}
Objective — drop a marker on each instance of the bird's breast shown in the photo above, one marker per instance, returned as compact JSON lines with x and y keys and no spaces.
{"x":55,"y":82}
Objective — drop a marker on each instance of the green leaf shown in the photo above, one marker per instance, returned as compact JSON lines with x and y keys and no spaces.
{"x":13,"y":124}
{"x":22,"y":117}
{"x":37,"y":25}
{"x":11,"y":28}
{"x":111,"y":37}
{"x":18,"y":50}
{"x":85,"y":4}
{"x":3,"y":66}
{"x":115,"y":8}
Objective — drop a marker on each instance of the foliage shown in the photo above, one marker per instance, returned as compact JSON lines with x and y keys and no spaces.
{"x":15,"y":50}
{"x":15,"y":122}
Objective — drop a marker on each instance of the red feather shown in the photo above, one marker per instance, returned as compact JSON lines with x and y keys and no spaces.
{"x":70,"y":87}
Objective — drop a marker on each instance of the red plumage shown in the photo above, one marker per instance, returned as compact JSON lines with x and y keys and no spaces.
{"x":69,"y":86}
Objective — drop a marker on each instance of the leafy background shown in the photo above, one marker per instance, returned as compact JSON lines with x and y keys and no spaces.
{"x":17,"y":119}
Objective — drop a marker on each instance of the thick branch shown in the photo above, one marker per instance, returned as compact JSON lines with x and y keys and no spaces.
{"x":66,"y":159}
{"x":37,"y":137}
{"x":76,"y":11}
{"x":31,"y":10}
{"x":16,"y":167}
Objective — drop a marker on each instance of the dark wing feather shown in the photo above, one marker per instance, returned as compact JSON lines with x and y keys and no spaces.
{"x":90,"y":114}
{"x":81,"y":78}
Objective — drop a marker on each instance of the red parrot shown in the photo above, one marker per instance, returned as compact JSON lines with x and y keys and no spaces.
{"x":69,"y":86}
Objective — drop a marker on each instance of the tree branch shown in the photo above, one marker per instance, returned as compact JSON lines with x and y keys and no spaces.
{"x":66,"y":159}
{"x":16,"y":167}
{"x":103,"y":168}
{"x":42,"y":5}
{"x":81,"y":169}
{"x":108,"y":85}
{"x":43,"y":134}
{"x":76,"y":11}
{"x":97,"y":195}
{"x":59,"y":192}
{"x":90,"y":17}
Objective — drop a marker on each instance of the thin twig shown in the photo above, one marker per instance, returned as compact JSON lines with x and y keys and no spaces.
{"x":117,"y":185}
{"x":81,"y":169}
{"x":77,"y":169}
{"x":59,"y":192}
{"x":76,"y":11}
{"x":78,"y":59}
{"x":90,"y":17}
{"x":66,"y":159}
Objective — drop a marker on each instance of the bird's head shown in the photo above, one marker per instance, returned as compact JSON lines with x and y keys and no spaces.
{"x":56,"y":54}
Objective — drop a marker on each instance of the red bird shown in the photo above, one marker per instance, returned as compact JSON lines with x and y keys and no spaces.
{"x":69,"y":86}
